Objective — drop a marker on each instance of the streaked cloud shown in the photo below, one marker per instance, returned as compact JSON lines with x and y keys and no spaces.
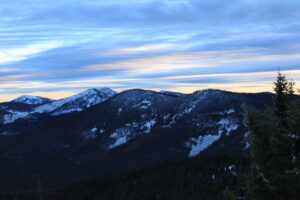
{"x":61,"y":47}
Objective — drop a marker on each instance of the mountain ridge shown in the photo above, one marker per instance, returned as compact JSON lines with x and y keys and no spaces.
{"x":42,"y":105}
{"x":33,"y":100}
{"x":132,"y":129}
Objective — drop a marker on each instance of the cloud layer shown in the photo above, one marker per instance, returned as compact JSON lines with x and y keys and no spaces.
{"x":59,"y":48}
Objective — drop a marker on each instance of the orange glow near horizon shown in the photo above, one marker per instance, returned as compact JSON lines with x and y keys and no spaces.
{"x":236,"y":87}
{"x":240,"y":82}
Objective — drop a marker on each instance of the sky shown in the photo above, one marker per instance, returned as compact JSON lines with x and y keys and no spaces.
{"x":58,"y":48}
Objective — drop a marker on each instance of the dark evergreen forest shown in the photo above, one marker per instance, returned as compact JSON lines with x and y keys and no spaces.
{"x":197,"y":178}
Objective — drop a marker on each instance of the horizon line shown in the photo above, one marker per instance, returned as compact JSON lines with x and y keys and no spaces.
{"x":120,"y":91}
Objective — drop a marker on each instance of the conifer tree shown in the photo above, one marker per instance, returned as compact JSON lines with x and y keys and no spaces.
{"x":281,"y":89}
{"x":274,"y":139}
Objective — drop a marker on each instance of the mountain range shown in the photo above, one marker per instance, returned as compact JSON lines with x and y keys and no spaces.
{"x":100,"y":131}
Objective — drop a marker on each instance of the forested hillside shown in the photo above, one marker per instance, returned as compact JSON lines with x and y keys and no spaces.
{"x":197,"y":178}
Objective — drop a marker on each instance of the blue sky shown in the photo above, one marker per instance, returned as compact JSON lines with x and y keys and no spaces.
{"x":56,"y":49}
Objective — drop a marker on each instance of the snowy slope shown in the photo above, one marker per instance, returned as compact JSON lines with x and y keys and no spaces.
{"x":77,"y":102}
{"x":74,"y":103}
{"x":32,"y":100}
{"x":204,"y":117}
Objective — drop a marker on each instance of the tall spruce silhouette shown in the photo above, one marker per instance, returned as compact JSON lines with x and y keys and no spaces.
{"x":274,"y":136}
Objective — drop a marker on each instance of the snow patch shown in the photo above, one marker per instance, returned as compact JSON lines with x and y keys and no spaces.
{"x":213,"y":177}
{"x":191,"y":107}
{"x":230,"y":111}
{"x":94,"y":130}
{"x":227,"y":112}
{"x":247,"y":144}
{"x":120,"y":110}
{"x":201,"y":143}
{"x":67,"y":111}
{"x":231,"y":169}
{"x":120,"y":136}
{"x":166,"y":116}
{"x":119,"y":141}
{"x":173,"y":121}
{"x":101,"y":131}
{"x":130,"y":131}
{"x":228,"y":125}
{"x":145,"y":104}
{"x":13,"y":116}
{"x":91,"y":134}
{"x":294,"y":136}
{"x":148,"y":125}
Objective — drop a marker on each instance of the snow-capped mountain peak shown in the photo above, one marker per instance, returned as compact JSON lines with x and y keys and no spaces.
{"x":70,"y":104}
{"x":93,"y":91}
{"x":77,"y":102}
{"x":32,"y":100}
{"x":105,"y":90}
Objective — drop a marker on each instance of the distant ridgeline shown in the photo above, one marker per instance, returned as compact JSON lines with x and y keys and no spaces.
{"x":46,"y":144}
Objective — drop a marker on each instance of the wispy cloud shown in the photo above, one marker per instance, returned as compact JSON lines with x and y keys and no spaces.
{"x":62,"y":46}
